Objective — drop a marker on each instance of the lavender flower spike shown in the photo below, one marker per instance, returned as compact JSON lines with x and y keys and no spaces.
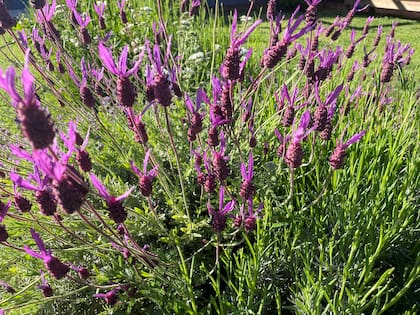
{"x":219,"y":217}
{"x":339,"y":154}
{"x":6,"y":20}
{"x":45,"y":287}
{"x":3,"y":211}
{"x":321,"y":112}
{"x":126,"y":93}
{"x":231,"y":63}
{"x":116,"y":210}
{"x":36,"y":124}
{"x":195,"y":118}
{"x":146,"y":177}
{"x":247,"y":188}
{"x":83,"y":22}
{"x":294,"y":153}
{"x":110,"y":297}
{"x":275,"y":53}
{"x":53,"y":264}
{"x":100,"y":10}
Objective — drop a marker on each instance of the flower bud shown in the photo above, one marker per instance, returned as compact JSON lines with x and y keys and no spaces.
{"x":22,"y":203}
{"x":126,"y":93}
{"x":38,"y":4}
{"x":337,"y":157}
{"x":288,"y":116}
{"x":231,"y":64}
{"x":6,"y":20}
{"x":220,"y":167}
{"x":210,"y":184}
{"x":46,"y":201}
{"x":320,"y":118}
{"x":162,"y":91}
{"x":3,"y":233}
{"x":226,"y":104}
{"x":294,"y":155}
{"x":247,"y":190}
{"x":36,"y":125}
{"x":145,"y":185}
{"x":117,"y":213}
{"x":56,"y":267}
{"x":84,"y":161}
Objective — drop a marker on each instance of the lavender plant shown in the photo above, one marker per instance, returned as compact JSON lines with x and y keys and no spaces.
{"x":304,"y":223}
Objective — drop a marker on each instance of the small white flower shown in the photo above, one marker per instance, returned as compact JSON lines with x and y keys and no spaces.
{"x":245,"y":18}
{"x":197,"y":57}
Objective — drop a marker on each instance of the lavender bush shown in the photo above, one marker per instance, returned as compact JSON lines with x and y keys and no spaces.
{"x":161,"y":170}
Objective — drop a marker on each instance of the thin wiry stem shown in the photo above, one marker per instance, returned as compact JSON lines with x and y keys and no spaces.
{"x":181,"y":181}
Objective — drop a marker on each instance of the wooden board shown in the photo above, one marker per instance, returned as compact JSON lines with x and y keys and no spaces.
{"x":412,"y":5}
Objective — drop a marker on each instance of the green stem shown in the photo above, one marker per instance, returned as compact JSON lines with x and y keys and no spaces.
{"x":181,"y":181}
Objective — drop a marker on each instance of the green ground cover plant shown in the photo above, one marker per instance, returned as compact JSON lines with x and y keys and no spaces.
{"x":170,"y":158}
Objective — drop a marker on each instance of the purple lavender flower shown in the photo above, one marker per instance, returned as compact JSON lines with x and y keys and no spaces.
{"x":378,"y":36}
{"x":275,"y":53}
{"x":275,"y":29}
{"x":219,"y":216}
{"x":6,"y":20}
{"x":69,"y":186}
{"x":393,"y":27}
{"x":353,"y":42}
{"x":126,"y":93}
{"x":249,"y":220}
{"x":3,"y":211}
{"x":162,"y":83}
{"x":195,"y":118}
{"x":195,"y":4}
{"x":53,"y":264}
{"x":82,"y":156}
{"x":352,"y":72}
{"x":7,"y":287}
{"x":231,"y":64}
{"x":45,"y":16}
{"x":339,"y":154}
{"x":100,"y":10}
{"x":294,"y":153}
{"x":315,"y":39}
{"x":43,"y":193}
{"x":388,"y":63}
{"x":35,"y":122}
{"x":271,"y":9}
{"x":83,"y":272}
{"x":321,"y":112}
{"x":327,"y":59}
{"x":45,"y":287}
{"x":311,"y":14}
{"x":115,"y":207}
{"x":219,"y":162}
{"x":183,"y":7}
{"x":146,"y":177}
{"x":365,"y":30}
{"x":289,"y":111}
{"x":350,"y":15}
{"x":21,"y":203}
{"x":83,"y":22}
{"x":326,"y":133}
{"x":123,"y":15}
{"x":38,"y":4}
{"x":111,"y":297}
{"x":247,"y":188}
